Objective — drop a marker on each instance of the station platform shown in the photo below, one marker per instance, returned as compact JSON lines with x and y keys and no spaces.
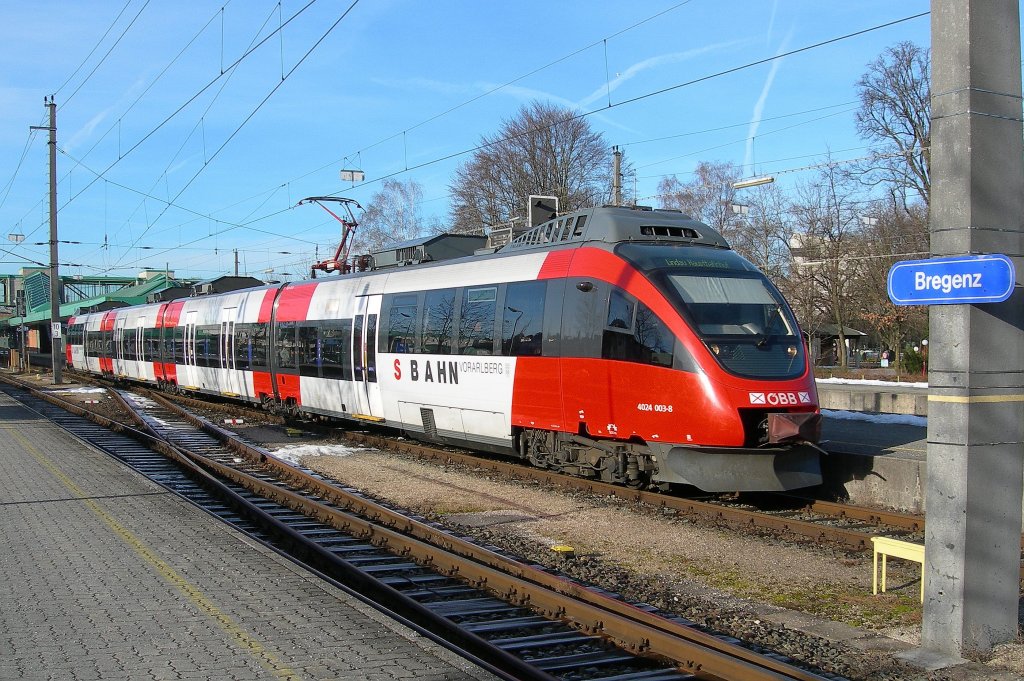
{"x":887,"y":398}
{"x":109,"y":576}
{"x":877,"y":451}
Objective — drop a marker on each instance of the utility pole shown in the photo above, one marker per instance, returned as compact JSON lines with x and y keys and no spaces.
{"x":616,"y":176}
{"x":56,"y":344}
{"x":976,"y":367}
{"x":236,"y":262}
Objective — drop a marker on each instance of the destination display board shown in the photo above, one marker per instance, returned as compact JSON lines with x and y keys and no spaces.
{"x":954,"y":280}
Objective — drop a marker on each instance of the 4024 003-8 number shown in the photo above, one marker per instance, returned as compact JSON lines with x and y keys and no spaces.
{"x":660,"y":408}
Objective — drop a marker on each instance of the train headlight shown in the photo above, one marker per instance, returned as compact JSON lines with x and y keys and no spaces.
{"x":791,"y":351}
{"x":715,"y":349}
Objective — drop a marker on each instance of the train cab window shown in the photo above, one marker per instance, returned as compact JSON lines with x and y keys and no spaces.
{"x":438,"y":321}
{"x":522,"y":319}
{"x":335,"y":349}
{"x":402,"y":324}
{"x":308,"y":354}
{"x":476,"y":322}
{"x":284,"y":343}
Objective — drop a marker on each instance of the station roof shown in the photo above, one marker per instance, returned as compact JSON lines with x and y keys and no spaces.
{"x":129,"y":295}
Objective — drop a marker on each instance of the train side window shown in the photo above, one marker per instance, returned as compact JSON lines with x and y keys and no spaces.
{"x":152,"y":344}
{"x":346,"y":343}
{"x":402,"y":324}
{"x":439,"y":321}
{"x":476,"y":323}
{"x":128,"y":344}
{"x":308,"y":354}
{"x":584,"y":312}
{"x":243,"y":347}
{"x":208,"y":345}
{"x":178,"y":339}
{"x":522,"y":319}
{"x":335,"y":341}
{"x":284,"y":343}
{"x":260,"y":345}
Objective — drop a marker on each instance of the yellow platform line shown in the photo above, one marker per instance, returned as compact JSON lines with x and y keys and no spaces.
{"x":975,"y":399}
{"x":194,"y":594}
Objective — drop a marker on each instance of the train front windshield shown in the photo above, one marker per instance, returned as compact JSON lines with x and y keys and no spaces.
{"x":730,"y":304}
{"x":743,"y":322}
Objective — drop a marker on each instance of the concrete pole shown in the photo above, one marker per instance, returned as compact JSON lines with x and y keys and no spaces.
{"x":56,"y":345}
{"x":976,"y":369}
{"x":616,"y":176}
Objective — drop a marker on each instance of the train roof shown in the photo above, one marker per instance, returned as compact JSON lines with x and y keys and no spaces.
{"x":617,"y":224}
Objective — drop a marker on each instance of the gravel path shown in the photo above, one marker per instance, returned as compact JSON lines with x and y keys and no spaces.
{"x":809,"y":603}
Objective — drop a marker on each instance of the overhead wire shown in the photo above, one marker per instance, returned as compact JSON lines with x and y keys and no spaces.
{"x":247,"y":225}
{"x":104,"y":58}
{"x":254,"y":111}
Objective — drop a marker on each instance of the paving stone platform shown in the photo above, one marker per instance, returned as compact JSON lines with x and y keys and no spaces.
{"x":105,"y":575}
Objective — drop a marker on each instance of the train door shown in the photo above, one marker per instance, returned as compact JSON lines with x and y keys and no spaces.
{"x":190,"y":379}
{"x":119,"y":364}
{"x":369,"y":405}
{"x":141,"y":368}
{"x":229,"y":381}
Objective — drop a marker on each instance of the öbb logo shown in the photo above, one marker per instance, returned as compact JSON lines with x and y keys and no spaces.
{"x":777,"y":399}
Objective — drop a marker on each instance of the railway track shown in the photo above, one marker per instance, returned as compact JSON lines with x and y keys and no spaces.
{"x":518,"y":620}
{"x":841,"y":525}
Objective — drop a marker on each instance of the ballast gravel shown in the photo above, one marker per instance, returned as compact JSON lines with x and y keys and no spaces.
{"x":805,"y":602}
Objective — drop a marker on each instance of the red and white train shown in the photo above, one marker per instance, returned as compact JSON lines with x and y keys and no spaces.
{"x":626,"y":344}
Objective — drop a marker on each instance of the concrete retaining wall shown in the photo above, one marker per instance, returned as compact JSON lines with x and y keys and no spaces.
{"x":838,"y":396}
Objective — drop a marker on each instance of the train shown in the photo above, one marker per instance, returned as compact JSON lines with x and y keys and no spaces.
{"x":625,"y":344}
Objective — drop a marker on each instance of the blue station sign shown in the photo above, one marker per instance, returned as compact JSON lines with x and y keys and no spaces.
{"x":960,"y":279}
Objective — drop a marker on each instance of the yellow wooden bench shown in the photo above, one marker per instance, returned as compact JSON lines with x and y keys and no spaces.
{"x":897,"y":549}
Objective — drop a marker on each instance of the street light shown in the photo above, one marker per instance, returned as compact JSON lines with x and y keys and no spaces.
{"x":753,"y":182}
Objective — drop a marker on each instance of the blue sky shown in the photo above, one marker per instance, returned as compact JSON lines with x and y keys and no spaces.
{"x":184,"y":135}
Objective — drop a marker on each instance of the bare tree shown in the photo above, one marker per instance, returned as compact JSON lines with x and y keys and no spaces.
{"x":393,"y":215}
{"x":826,"y":250}
{"x":544,"y":149}
{"x":893,"y":233}
{"x":895,"y":116}
{"x":708,"y":197}
{"x":763,"y":232}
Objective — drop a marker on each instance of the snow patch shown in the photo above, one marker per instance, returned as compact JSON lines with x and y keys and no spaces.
{"x":868,"y":381}
{"x":294,"y":453}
